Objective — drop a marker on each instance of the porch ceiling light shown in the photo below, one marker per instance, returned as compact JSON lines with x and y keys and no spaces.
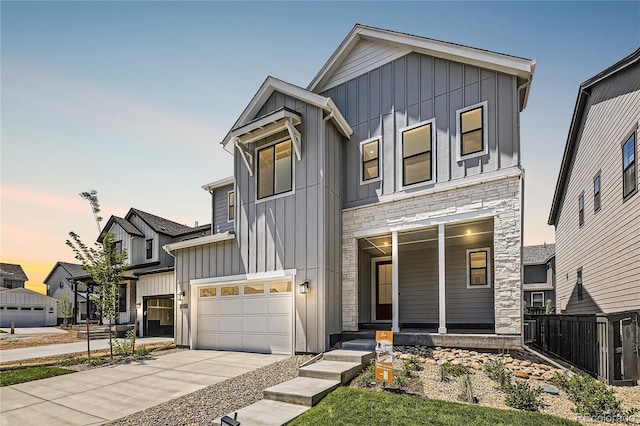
{"x":304,"y":287}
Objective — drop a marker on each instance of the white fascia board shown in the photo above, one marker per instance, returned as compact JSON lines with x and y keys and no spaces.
{"x":520,"y":67}
{"x":219,"y":183}
{"x":245,"y":277}
{"x":272,"y":84}
{"x":208,"y":239}
{"x":276,"y":119}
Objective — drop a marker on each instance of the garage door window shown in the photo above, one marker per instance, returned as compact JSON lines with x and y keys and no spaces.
{"x":280,"y":287}
{"x":231,"y":290}
{"x":25,"y":309}
{"x":208,"y":292}
{"x":252,"y":289}
{"x":38,"y":309}
{"x":12,"y":308}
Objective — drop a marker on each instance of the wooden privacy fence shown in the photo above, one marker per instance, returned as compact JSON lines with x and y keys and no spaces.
{"x":607,"y":346}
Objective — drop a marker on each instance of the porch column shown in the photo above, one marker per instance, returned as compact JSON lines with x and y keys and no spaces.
{"x":395,"y":286}
{"x":442,"y":328}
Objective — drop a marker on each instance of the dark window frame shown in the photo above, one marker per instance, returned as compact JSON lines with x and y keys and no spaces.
{"x":149,"y":248}
{"x":231,"y":206}
{"x":122,"y":298}
{"x":364,"y":163}
{"x":631,"y":138}
{"x":579,"y":284}
{"x":597,"y":194}
{"x":581,"y":210}
{"x":486,"y":268}
{"x":117,"y":245}
{"x":273,"y":147}
{"x":431,"y":125}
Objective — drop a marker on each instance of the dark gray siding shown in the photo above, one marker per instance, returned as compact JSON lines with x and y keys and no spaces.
{"x":535,"y":274}
{"x":364,"y":286}
{"x":220,"y":209}
{"x":418,"y":273}
{"x":415,"y":88}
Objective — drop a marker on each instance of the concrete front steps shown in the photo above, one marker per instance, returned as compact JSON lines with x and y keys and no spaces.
{"x":288,"y":400}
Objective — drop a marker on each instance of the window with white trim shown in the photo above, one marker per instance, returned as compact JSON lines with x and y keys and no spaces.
{"x":415,"y":156}
{"x":596,"y":194}
{"x":275,"y":169}
{"x":537,"y":299}
{"x":581,"y":210}
{"x":370,"y":154}
{"x":629,"y":179}
{"x":478,"y":268}
{"x":149,"y":248}
{"x":231,"y":203}
{"x":472,"y":131}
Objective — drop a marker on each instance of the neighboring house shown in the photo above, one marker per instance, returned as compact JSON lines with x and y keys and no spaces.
{"x":596,"y":205}
{"x":26,"y":308}
{"x":63,"y":280}
{"x":12,"y":276}
{"x":387,"y":194}
{"x":148,"y":292}
{"x":539,"y":265}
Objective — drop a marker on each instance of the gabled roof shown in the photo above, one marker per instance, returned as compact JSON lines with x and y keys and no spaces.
{"x":161,"y":225}
{"x":574,"y":129}
{"x":128,"y":227}
{"x":73,"y":269}
{"x":521,"y":67}
{"x":271,"y":85}
{"x":13,"y":271}
{"x":537,"y":255}
{"x":219,"y":183}
{"x":23,"y":290}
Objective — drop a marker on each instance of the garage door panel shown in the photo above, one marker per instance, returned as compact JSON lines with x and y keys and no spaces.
{"x":230,"y":341}
{"x":208,"y":323}
{"x":279,"y":324}
{"x":208,"y":305}
{"x":229,"y":323}
{"x":208,"y":339}
{"x":255,"y":342}
{"x":254,"y":324}
{"x":255,"y":305}
{"x":279,"y":344}
{"x":230,"y":306}
{"x":280,"y":305}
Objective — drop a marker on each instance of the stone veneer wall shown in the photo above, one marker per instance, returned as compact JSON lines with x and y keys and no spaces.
{"x":501,"y":195}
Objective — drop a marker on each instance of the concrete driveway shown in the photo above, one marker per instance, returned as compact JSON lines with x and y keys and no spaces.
{"x":108,"y":393}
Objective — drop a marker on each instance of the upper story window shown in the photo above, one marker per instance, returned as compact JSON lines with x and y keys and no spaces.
{"x":370,"y":154}
{"x":579,"y":283}
{"x":629,"y":167}
{"x":478,"y":268}
{"x":231,"y":198}
{"x":118,"y":246}
{"x":416,"y":147}
{"x":275,"y":169}
{"x":581,"y":210}
{"x":596,"y":194}
{"x":472,"y":131}
{"x":149,"y":248}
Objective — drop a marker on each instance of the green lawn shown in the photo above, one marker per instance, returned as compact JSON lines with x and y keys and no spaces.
{"x":13,"y":377}
{"x":348,"y":406}
{"x":2,"y":331}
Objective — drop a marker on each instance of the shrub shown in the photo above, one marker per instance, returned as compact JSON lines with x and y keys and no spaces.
{"x":142,"y":350}
{"x":448,"y":370}
{"x":590,"y":396}
{"x":368,"y":376}
{"x":399,"y":378}
{"x":412,"y":365}
{"x":497,"y":372}
{"x":123,"y":346}
{"x":467,"y":390}
{"x":524,"y":397}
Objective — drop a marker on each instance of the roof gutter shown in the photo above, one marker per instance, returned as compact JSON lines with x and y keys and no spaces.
{"x":209,"y":239}
{"x":527,"y":85}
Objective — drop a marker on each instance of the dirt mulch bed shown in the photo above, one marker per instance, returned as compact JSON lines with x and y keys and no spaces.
{"x":18,"y":341}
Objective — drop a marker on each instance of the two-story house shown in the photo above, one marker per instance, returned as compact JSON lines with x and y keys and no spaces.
{"x":12,"y":276}
{"x":148,"y":293}
{"x":596,"y":205}
{"x":387,"y":194}
{"x":63,"y":280}
{"x":539,"y":278}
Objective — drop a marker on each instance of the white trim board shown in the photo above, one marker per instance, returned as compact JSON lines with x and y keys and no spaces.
{"x":244,"y":277}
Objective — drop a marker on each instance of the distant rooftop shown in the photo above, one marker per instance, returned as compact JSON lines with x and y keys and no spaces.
{"x":536,"y":255}
{"x":13,"y":272}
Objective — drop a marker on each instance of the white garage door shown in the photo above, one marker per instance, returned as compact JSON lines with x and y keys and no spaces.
{"x":248,"y":316}
{"x":22,"y":316}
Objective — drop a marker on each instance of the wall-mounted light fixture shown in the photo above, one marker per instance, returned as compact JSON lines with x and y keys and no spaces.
{"x":180,"y":296}
{"x":138,"y":305}
{"x":304,"y":287}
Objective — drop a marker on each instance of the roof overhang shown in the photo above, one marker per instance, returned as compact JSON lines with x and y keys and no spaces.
{"x":215,"y":238}
{"x":218,"y":183}
{"x":581,"y":102}
{"x":520,"y":67}
{"x":271,"y":85}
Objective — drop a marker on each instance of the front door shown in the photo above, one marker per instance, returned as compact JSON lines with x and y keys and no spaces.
{"x":383,"y":290}
{"x":158,"y":316}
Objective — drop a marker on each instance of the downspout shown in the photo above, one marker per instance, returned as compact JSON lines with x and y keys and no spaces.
{"x":175,"y":304}
{"x":213,"y":212}
{"x":329,"y":117}
{"x":521,"y":254}
{"x":527,"y":84}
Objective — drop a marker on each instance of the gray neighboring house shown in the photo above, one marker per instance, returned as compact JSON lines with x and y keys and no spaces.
{"x":596,"y":205}
{"x":148,"y":293}
{"x":387,"y":194}
{"x":62,"y":280}
{"x":538,"y":287}
{"x":26,"y":308}
{"x":12,"y":276}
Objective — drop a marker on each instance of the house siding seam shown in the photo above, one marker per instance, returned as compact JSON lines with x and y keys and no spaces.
{"x":502,"y":196}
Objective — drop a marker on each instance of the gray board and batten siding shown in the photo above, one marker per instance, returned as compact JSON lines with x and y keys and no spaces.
{"x":300,"y":230}
{"x":415,"y":88}
{"x":220,"y":209}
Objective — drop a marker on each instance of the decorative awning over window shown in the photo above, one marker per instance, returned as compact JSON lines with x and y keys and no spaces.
{"x":280,"y":120}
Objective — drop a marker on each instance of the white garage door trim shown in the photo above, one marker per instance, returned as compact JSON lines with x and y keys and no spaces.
{"x":241,"y":300}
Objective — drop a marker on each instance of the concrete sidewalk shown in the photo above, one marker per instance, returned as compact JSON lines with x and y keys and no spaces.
{"x":68,"y":348}
{"x":108,"y":393}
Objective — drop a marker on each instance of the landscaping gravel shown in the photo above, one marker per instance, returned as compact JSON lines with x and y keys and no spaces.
{"x":204,"y":406}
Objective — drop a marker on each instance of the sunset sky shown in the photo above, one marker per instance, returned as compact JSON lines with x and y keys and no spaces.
{"x":133,"y":98}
